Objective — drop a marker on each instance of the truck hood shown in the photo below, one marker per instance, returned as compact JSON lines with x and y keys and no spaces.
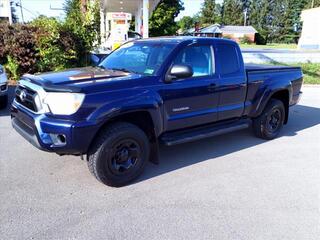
{"x":72,"y":80}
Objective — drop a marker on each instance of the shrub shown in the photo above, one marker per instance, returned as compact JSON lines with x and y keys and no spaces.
{"x":245,"y":40}
{"x":53,"y":43}
{"x":227,"y":37}
{"x":18,"y":46}
{"x":12,"y":67}
{"x":47,"y":44}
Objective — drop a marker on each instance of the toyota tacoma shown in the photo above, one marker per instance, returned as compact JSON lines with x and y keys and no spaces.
{"x":150,"y":92}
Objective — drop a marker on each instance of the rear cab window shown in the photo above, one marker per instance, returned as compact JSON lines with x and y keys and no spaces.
{"x":229,"y":59}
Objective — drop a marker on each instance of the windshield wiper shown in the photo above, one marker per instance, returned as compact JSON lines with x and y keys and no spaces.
{"x":123,"y":70}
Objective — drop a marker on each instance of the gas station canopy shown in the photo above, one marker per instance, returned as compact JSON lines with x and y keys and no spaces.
{"x":140,"y":9}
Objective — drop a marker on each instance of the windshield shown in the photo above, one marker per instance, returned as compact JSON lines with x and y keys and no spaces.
{"x":139,"y":57}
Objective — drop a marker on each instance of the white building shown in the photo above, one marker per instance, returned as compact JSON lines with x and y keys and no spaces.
{"x":310,"y":35}
{"x":5,"y":10}
{"x":140,"y":9}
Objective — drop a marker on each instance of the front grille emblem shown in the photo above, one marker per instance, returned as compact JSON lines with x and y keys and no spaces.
{"x":23,"y":95}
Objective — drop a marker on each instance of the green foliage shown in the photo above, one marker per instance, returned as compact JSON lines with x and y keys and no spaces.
{"x":233,"y":12}
{"x":227,"y":37}
{"x":162,"y":21}
{"x":18,"y":44}
{"x":54,"y":54}
{"x":186,"y":23}
{"x":84,"y":25}
{"x":311,"y":71}
{"x":312,"y":4}
{"x":208,"y":12}
{"x":245,"y":40}
{"x":47,"y":44}
{"x":12,"y":68}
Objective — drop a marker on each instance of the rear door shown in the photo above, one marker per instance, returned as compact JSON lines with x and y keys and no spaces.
{"x":232,"y":83}
{"x":190,"y":102}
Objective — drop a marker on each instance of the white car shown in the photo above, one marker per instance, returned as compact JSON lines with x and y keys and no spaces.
{"x":3,"y":88}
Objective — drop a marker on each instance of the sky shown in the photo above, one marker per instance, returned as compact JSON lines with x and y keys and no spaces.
{"x":33,"y":8}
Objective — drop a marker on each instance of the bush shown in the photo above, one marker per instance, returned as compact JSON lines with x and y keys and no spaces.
{"x":245,"y":40}
{"x":54,"y":44}
{"x":47,"y":44}
{"x":18,"y":47}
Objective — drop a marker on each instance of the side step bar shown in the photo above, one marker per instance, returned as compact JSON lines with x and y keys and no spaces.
{"x":207,"y":131}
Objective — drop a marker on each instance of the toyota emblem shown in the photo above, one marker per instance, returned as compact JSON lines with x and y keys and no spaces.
{"x":23,"y":95}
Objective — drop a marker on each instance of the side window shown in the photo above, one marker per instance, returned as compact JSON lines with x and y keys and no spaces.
{"x":228,"y":58}
{"x":199,"y":58}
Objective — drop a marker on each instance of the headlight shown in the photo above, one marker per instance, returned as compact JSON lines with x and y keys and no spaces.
{"x":63,"y":103}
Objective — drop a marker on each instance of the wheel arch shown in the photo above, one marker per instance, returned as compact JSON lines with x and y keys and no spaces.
{"x":147,"y":120}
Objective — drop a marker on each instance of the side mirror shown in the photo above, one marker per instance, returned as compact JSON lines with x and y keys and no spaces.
{"x":179,"y":71}
{"x":95,"y":59}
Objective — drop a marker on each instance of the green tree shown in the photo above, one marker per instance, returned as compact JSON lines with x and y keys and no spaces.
{"x":312,"y":3}
{"x":186,"y":23}
{"x":208,"y":12}
{"x":85,"y":25}
{"x":292,"y":23}
{"x":162,"y":21}
{"x":258,"y":17}
{"x":233,"y":12}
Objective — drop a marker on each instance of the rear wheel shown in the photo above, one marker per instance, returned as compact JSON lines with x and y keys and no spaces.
{"x":119,"y":154}
{"x":269,"y":124}
{"x":3,"y":101}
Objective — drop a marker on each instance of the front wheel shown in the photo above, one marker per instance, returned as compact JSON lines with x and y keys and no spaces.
{"x":119,"y":154}
{"x":268,"y":125}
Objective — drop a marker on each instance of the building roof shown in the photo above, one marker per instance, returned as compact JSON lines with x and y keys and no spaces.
{"x":238,"y":29}
{"x":216,"y":28}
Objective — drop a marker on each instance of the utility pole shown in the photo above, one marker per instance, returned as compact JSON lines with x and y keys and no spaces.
{"x":245,"y":13}
{"x":312,"y":4}
{"x":21,"y":12}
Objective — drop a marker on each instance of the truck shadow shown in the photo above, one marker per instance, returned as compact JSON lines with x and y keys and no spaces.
{"x":180,"y":156}
{"x":6,"y":111}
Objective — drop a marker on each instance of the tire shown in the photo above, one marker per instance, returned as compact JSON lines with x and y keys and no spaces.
{"x":3,"y":101}
{"x":119,"y":154}
{"x":269,"y":124}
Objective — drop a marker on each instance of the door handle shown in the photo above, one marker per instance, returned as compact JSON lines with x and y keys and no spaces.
{"x":212,"y":87}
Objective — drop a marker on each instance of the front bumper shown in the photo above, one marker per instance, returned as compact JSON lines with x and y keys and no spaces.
{"x":38,"y":129}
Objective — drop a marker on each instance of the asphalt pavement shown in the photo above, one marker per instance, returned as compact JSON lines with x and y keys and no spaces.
{"x":234,"y":186}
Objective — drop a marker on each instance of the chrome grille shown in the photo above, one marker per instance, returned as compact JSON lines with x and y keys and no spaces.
{"x":26,"y":97}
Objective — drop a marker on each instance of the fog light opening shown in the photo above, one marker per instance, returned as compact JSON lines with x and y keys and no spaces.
{"x":62,"y":138}
{"x":58,"y":139}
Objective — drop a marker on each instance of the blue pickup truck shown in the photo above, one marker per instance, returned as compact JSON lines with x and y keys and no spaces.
{"x":147,"y":92}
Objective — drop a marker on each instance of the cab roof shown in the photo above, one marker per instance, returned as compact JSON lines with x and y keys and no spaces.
{"x":181,"y":39}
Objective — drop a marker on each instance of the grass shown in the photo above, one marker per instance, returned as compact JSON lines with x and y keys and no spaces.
{"x":270,"y":46}
{"x":311,"y":71}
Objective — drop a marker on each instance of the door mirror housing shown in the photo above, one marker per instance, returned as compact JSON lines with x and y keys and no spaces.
{"x":179,"y":71}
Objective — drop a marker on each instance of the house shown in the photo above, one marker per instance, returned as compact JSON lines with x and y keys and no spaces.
{"x":238,"y":32}
{"x":233,"y":32}
{"x":5,"y":11}
{"x":310,"y":35}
